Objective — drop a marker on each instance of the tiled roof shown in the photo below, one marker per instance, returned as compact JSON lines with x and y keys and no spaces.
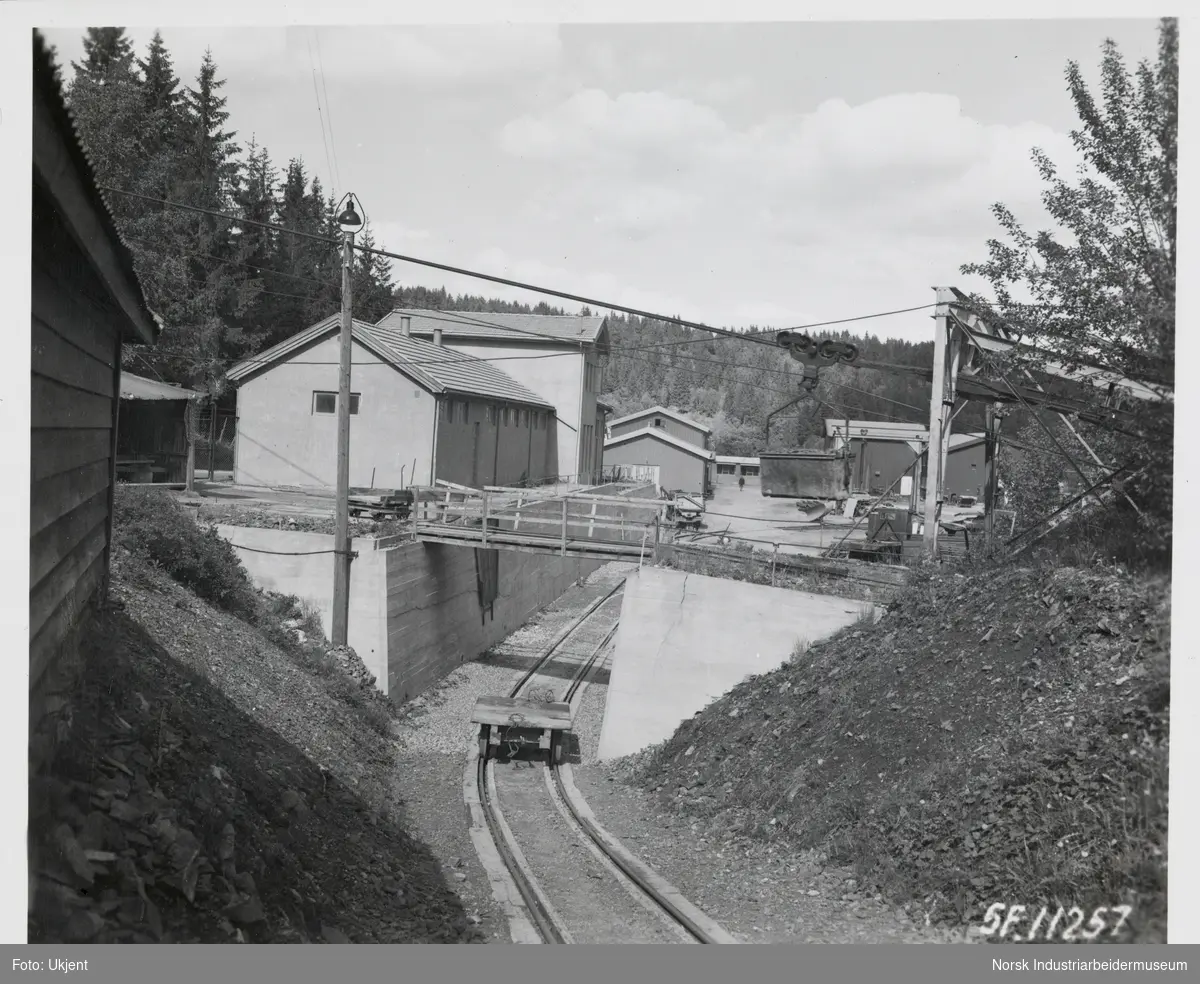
{"x":661,"y":411}
{"x":533,"y":328}
{"x":658,"y":434}
{"x":454,"y":372}
{"x":434,"y":367}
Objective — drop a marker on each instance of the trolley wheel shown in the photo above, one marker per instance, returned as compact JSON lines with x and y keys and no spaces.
{"x":485,"y":734}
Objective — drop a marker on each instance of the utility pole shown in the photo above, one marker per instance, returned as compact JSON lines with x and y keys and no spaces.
{"x":991,"y":467}
{"x":350,"y":222}
{"x":946,"y":353}
{"x":933,"y":464}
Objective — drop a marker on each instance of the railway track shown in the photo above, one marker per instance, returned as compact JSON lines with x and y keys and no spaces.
{"x":614,"y":896}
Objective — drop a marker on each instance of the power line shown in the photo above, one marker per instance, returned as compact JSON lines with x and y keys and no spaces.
{"x":328,"y":110}
{"x":249,"y":266}
{"x":320,"y":116}
{"x":816,"y":324}
{"x":520,"y":285}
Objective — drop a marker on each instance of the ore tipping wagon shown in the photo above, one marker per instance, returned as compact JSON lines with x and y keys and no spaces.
{"x":804,"y":474}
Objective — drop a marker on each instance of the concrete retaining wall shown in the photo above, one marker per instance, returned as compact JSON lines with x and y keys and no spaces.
{"x":433,"y":614}
{"x":309,"y":577}
{"x":414,"y":607}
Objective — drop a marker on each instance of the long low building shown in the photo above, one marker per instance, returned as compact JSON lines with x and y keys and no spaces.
{"x":419,"y":412}
{"x":730,"y":468}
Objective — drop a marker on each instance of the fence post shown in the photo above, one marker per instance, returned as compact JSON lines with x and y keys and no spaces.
{"x":485,"y":519}
{"x":564,"y":526}
{"x":774,"y":554}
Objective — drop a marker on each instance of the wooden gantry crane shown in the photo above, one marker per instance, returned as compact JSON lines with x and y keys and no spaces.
{"x":961,"y":343}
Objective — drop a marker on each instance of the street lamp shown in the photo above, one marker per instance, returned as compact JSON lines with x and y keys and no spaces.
{"x":349,"y":221}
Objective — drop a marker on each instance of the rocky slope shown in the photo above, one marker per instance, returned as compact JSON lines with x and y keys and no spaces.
{"x":1000,"y":736}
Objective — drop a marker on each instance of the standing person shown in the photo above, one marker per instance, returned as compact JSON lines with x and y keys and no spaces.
{"x":741,"y":483}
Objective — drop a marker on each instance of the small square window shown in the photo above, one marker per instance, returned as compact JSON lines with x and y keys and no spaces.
{"x":658,"y":421}
{"x":327,"y":402}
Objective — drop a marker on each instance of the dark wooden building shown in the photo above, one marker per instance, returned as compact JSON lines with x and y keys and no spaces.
{"x":154,"y":443}
{"x":86,"y":301}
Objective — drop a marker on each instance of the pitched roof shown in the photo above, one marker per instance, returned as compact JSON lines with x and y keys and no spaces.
{"x":663,"y":411}
{"x":495,"y":326}
{"x":53,"y":162}
{"x":659,"y":435}
{"x":434,"y":367}
{"x":960,"y":441}
{"x":139,"y":388}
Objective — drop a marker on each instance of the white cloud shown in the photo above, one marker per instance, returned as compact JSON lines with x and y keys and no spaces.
{"x":591,"y":123}
{"x":844,"y":206}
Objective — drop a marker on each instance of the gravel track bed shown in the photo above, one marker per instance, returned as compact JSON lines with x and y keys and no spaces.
{"x":594,"y":906}
{"x":758,"y":893}
{"x":435,"y":731}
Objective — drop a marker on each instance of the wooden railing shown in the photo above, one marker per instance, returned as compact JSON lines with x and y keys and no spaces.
{"x":536,"y":520}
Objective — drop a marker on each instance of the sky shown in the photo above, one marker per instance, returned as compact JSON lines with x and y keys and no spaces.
{"x":741,"y":175}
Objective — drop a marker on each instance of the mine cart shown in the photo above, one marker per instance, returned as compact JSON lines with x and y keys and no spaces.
{"x":517,"y":722}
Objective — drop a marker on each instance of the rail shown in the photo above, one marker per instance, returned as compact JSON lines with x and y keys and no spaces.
{"x":654,"y":889}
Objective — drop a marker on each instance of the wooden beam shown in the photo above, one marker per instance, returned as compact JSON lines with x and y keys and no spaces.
{"x":933,"y":497}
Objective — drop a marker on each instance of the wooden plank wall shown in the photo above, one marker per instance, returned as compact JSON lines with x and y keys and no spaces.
{"x":75,"y":339}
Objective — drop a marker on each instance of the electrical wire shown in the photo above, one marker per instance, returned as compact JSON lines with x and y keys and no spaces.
{"x":533,"y":288}
{"x":337,"y":167}
{"x":320,"y":116}
{"x":250,"y":266}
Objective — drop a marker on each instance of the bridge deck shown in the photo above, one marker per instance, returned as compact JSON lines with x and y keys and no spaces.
{"x":579,"y":524}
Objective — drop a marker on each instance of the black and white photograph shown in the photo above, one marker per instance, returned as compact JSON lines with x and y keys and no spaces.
{"x":599,"y":481}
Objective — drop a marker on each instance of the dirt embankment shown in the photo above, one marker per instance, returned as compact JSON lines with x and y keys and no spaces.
{"x":1000,"y":736}
{"x":212,"y":787}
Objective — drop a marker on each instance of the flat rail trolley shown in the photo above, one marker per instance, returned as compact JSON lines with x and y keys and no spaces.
{"x":519,"y":721}
{"x":381,"y":503}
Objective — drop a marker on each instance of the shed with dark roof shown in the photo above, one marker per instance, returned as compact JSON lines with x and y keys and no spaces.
{"x":420,"y":411}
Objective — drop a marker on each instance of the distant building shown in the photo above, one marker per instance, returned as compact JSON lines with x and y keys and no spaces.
{"x":86,"y":302}
{"x":557,"y":357}
{"x":665,"y":421}
{"x":683,"y":465}
{"x":420,"y":411}
{"x":153,"y":440}
{"x":965,"y":466}
{"x":731,"y":468}
{"x":884,"y":450}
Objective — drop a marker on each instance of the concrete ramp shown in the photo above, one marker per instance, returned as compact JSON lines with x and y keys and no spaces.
{"x":685,"y":639}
